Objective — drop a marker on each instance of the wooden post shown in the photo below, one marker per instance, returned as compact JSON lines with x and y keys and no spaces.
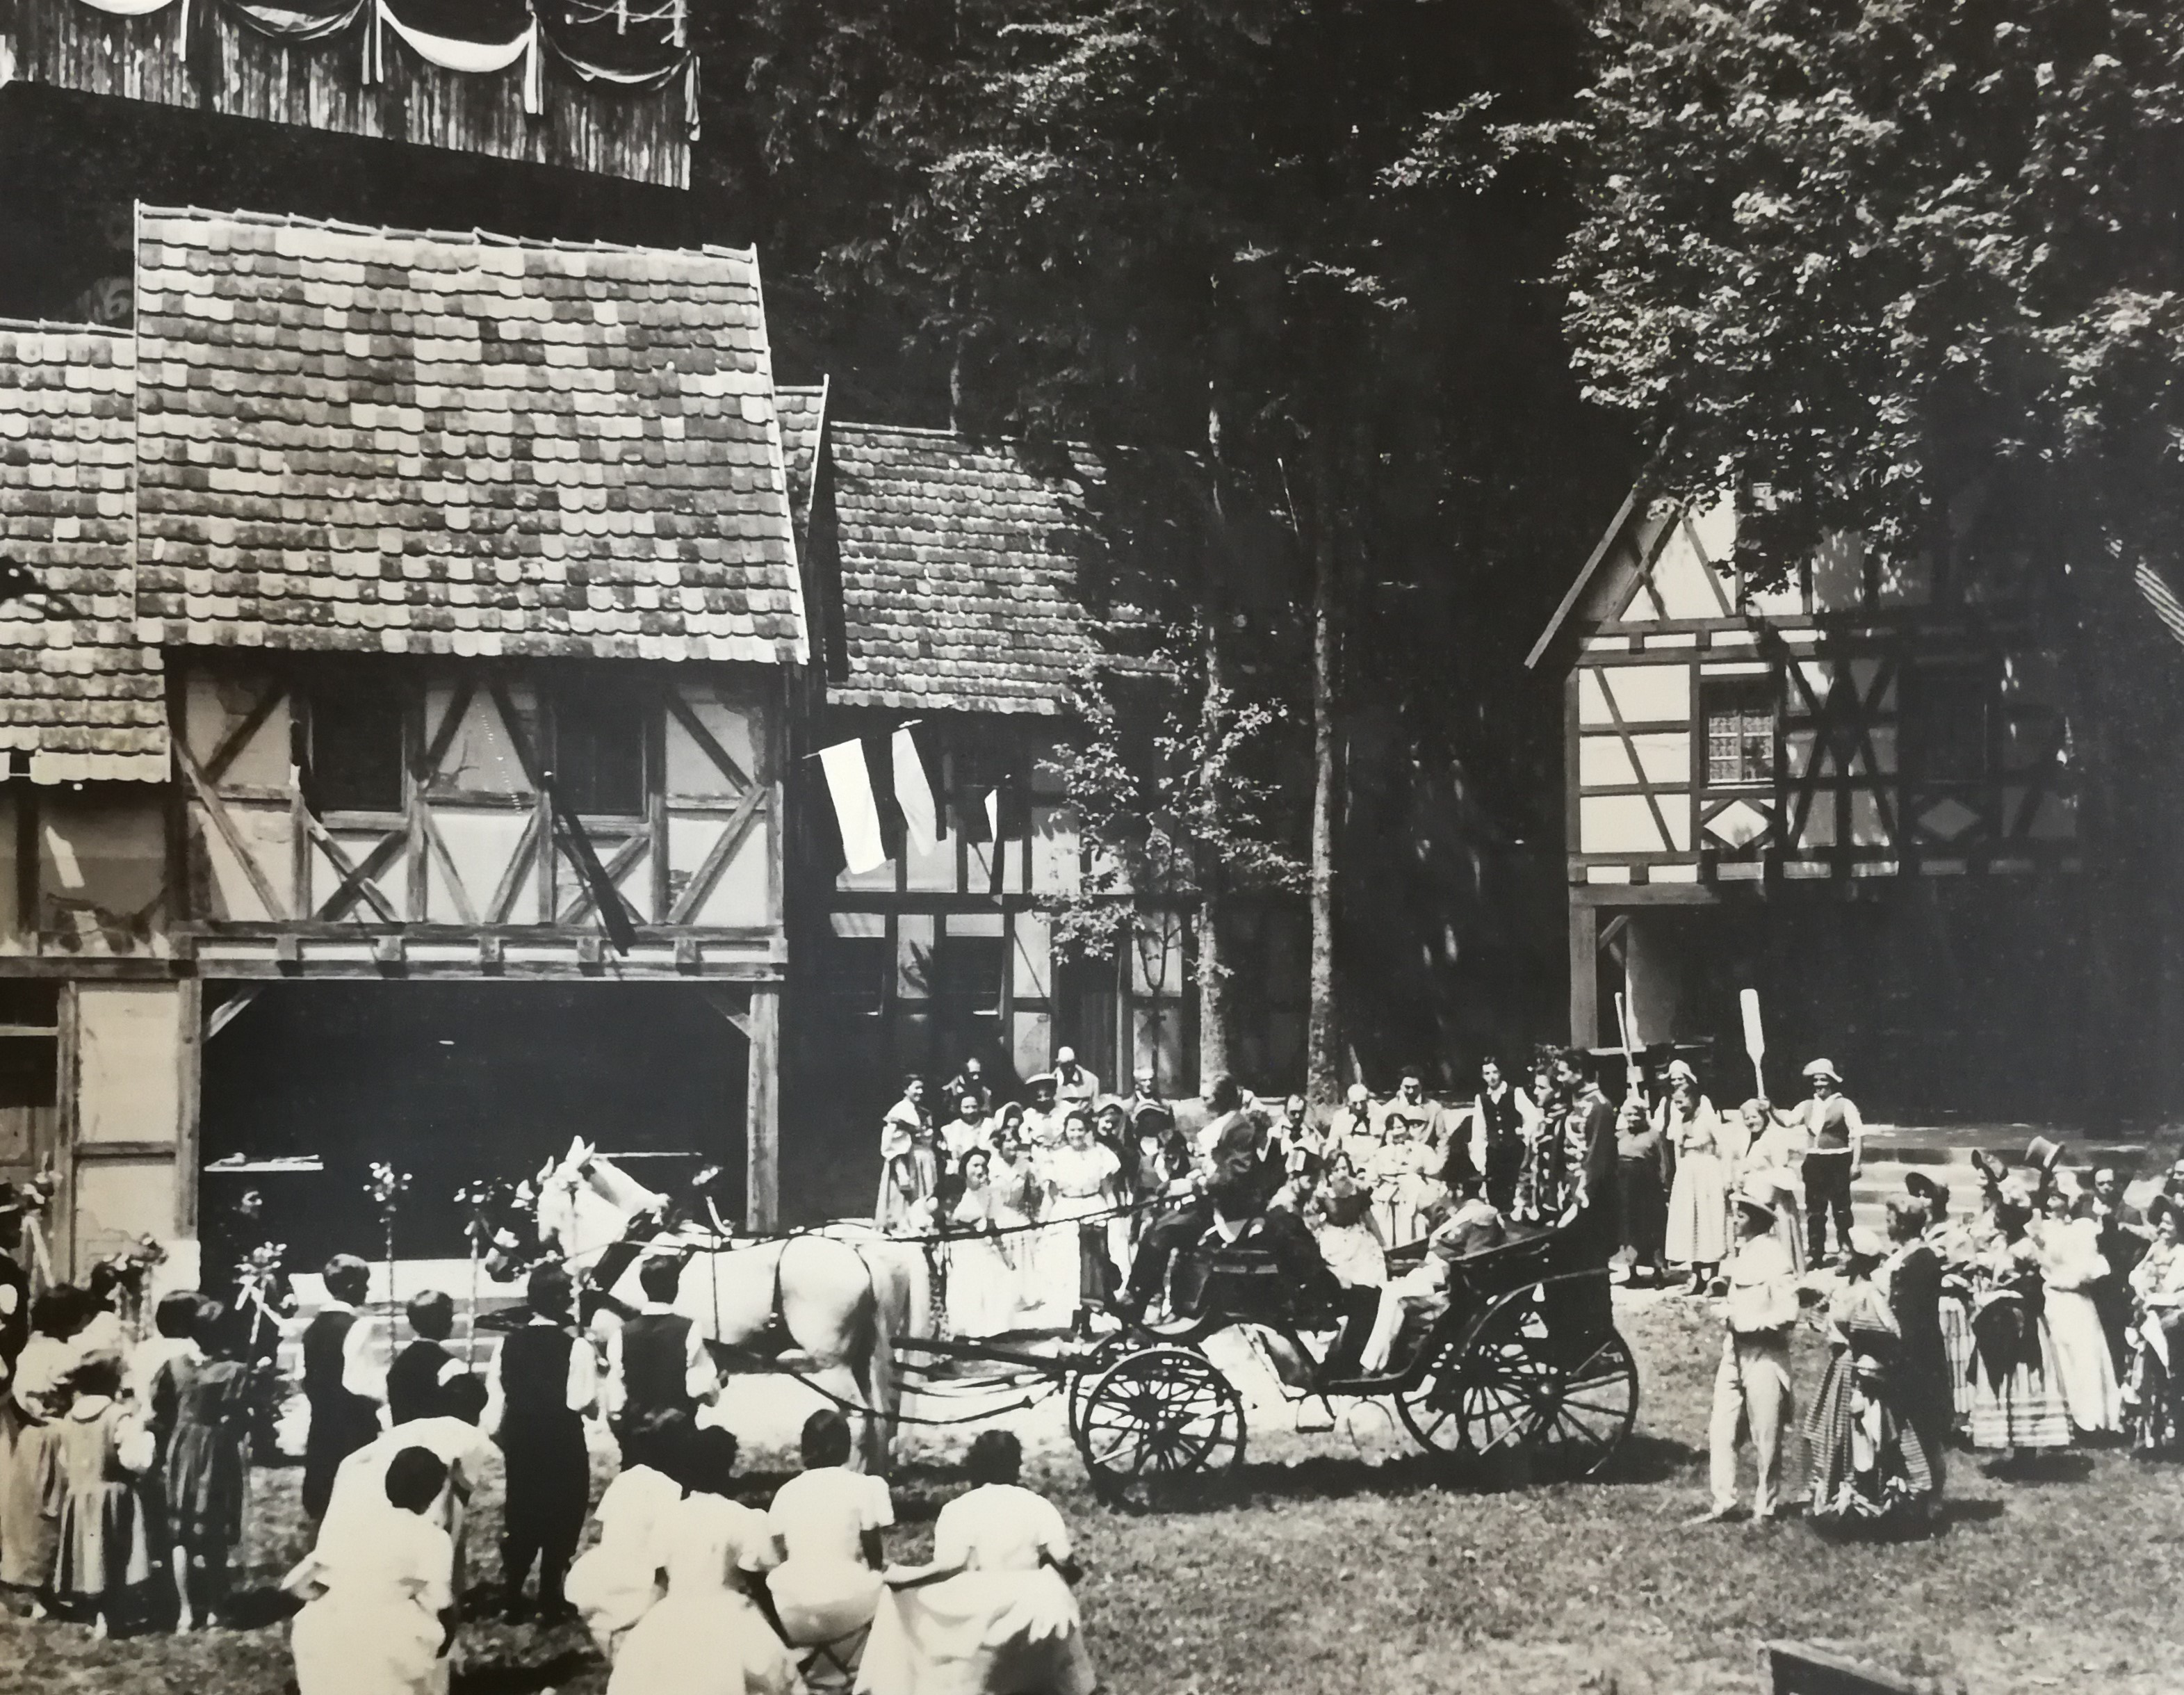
{"x":189,"y":1060}
{"x":1585,"y":974}
{"x":762,"y":1110}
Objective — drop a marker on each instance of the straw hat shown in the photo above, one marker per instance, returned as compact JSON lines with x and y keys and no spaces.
{"x":1680,"y":1071}
{"x":1865,"y":1242}
{"x":1824,"y":1067}
{"x":1752,"y":1200}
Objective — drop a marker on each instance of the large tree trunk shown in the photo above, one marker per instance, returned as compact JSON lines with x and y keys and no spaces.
{"x":1324,"y":1053}
{"x":1212,"y":876}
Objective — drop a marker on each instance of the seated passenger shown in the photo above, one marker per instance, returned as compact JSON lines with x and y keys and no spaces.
{"x":1473,"y":1227}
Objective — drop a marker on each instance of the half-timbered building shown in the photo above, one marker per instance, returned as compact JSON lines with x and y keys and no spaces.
{"x":1856,"y":793}
{"x":452,"y":584}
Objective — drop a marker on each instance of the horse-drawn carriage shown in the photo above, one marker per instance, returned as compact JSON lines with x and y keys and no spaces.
{"x":1524,"y":1373}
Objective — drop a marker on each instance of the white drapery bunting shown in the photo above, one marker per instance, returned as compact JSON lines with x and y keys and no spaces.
{"x":448,"y":52}
{"x":477,"y":59}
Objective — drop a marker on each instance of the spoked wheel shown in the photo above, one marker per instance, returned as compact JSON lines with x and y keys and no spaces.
{"x":1512,"y":1394}
{"x":1097,"y":1358}
{"x":1156,"y":1416}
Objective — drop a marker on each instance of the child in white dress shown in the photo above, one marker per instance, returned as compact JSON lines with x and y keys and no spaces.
{"x":826,"y":1521}
{"x":383,"y":1588}
{"x":617,"y":1582}
{"x":708,"y":1636}
{"x":992,"y":1614}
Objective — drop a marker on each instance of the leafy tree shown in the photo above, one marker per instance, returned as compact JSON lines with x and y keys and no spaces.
{"x":1907,"y":267}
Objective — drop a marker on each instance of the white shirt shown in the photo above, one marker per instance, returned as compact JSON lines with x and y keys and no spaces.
{"x":824,"y":1514}
{"x":362,"y":1374}
{"x":360,"y":1488}
{"x":1763,"y":1287}
{"x":999,"y":1527}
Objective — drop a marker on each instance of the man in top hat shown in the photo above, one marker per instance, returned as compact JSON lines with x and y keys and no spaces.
{"x":1073,"y":1084}
{"x":1752,"y":1387}
{"x":1834,"y":1154}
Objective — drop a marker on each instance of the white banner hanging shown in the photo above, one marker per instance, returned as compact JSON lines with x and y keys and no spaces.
{"x":913,"y":793}
{"x":129,"y":8}
{"x":850,"y":787}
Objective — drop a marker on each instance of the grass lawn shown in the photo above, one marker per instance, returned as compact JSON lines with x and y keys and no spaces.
{"x":1327,"y":1568}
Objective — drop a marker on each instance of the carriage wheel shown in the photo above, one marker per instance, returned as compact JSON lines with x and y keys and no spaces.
{"x":1509,"y":1392}
{"x":1154,"y":1417}
{"x":1096,"y":1359}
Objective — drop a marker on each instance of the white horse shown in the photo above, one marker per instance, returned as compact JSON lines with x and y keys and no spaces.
{"x":827,"y":1303}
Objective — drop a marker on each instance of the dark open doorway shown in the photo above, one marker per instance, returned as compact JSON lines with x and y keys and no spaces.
{"x":454,"y":1082}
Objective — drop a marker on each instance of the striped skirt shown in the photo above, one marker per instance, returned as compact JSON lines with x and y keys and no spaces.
{"x":1956,"y":1348}
{"x":1868,"y":1461}
{"x":2025,"y":1410}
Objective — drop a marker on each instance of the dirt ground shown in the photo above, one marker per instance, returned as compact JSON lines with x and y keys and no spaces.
{"x":1339,"y":1562}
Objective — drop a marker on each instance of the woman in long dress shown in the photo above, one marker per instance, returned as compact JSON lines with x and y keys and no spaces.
{"x":708,"y":1637}
{"x":2071,"y":1265}
{"x":993,"y":1614}
{"x":1869,"y":1464}
{"x":615,"y":1581}
{"x":1914,"y":1276}
{"x":2017,"y":1402}
{"x":1014,"y":1187}
{"x":827,"y":1522}
{"x":383,"y":1589}
{"x":1082,"y":1182}
{"x":1698,"y":1198}
{"x":982,"y":1291}
{"x":35,"y":1397}
{"x":910,"y":1181}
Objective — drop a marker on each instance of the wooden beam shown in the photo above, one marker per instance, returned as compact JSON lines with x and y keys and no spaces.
{"x":355,"y":879}
{"x":189,"y":1094}
{"x":693,"y":898}
{"x":631,"y":849}
{"x":238,"y":736}
{"x":376,"y":862}
{"x":229,"y":1010}
{"x":762,"y":1112}
{"x":209,"y":798}
{"x":504,"y":892}
{"x":706,"y":744}
{"x":455,"y":878}
{"x":1584,"y":975}
{"x":728,"y":1005}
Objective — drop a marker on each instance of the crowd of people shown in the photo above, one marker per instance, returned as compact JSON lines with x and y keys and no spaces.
{"x":125,"y":1484}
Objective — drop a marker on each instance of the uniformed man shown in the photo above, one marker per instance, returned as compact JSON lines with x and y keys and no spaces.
{"x":1751,"y":1387}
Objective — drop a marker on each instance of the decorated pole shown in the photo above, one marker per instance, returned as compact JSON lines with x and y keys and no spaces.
{"x":1755,"y":1039}
{"x":386,"y":1186}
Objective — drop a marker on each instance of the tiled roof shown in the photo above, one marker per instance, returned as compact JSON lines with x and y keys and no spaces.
{"x":803,"y":412}
{"x":430,"y":443}
{"x":960,"y":571}
{"x":78,"y":692}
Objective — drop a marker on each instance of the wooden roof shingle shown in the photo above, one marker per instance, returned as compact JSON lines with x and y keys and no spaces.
{"x":80,"y":693}
{"x":457,"y":443}
{"x":960,"y":571}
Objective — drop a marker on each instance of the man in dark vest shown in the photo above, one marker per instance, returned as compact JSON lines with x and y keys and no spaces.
{"x":659,"y":1372}
{"x":418,"y":1382}
{"x":1497,"y":1134}
{"x":1834,"y":1154}
{"x":340,"y":1379}
{"x":548,"y":1381}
